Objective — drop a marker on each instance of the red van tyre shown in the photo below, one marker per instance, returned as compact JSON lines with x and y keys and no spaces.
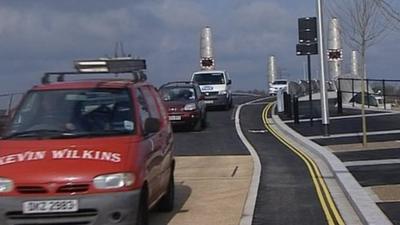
{"x":166,"y":203}
{"x":143,"y":212}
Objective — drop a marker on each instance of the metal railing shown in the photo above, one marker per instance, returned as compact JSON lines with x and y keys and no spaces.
{"x":382,"y":93}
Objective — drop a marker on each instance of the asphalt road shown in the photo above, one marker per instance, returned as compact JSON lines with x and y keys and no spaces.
{"x":219,"y":138}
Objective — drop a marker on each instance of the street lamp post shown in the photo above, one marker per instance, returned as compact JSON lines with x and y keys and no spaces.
{"x":322,"y":56}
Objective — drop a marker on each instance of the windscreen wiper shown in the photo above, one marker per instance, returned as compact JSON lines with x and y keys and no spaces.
{"x":37,"y":133}
{"x":92,"y":134}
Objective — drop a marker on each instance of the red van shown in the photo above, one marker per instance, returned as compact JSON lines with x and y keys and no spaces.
{"x":87,"y":152}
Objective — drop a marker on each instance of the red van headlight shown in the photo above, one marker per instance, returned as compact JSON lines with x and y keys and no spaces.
{"x":115,"y":180}
{"x":6,"y":185}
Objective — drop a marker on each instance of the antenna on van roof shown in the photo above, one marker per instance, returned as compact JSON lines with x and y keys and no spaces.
{"x":119,"y":45}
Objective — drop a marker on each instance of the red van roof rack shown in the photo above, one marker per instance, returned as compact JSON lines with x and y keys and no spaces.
{"x":104,"y":66}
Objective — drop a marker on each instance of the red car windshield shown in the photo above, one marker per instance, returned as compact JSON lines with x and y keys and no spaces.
{"x":70,"y":113}
{"x":178,"y":94}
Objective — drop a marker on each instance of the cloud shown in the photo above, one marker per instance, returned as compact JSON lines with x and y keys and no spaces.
{"x":38,"y":36}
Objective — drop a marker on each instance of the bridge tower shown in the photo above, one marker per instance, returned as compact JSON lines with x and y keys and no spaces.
{"x":207,"y":61}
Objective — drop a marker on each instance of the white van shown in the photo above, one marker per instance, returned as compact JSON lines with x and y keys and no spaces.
{"x":277,"y":85}
{"x":216,"y":87}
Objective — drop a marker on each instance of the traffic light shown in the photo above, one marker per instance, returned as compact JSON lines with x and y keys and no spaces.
{"x":308,"y":37}
{"x":307,"y":49}
{"x":307,"y":29}
{"x":207,"y":62}
{"x":334,"y":54}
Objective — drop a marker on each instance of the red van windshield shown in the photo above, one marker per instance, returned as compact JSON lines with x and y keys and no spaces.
{"x":69,"y":113}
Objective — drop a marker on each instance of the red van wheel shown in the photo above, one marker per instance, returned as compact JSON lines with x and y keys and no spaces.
{"x":143,"y":211}
{"x":166,"y":203}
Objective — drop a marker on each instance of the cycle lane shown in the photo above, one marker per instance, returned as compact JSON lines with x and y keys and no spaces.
{"x":286,"y":194}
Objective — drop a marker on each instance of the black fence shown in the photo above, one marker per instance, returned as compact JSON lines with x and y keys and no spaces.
{"x":379,"y":93}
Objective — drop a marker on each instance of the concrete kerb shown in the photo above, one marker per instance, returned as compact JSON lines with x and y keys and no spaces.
{"x":364,"y":206}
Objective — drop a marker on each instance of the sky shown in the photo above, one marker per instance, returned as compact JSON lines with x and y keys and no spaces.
{"x":38,"y":36}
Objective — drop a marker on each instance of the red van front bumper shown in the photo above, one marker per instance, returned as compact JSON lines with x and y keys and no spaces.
{"x":118,"y":208}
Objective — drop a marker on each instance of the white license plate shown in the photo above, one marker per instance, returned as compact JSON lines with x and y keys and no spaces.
{"x":50,"y":206}
{"x":209,"y":102}
{"x":175,"y":117}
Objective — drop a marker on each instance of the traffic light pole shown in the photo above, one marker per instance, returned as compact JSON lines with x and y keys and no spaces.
{"x":310,"y":88}
{"x":322,"y":56}
{"x":308,"y":46}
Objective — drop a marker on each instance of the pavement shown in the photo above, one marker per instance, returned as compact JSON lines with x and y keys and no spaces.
{"x":210,"y":190}
{"x":370,"y":175}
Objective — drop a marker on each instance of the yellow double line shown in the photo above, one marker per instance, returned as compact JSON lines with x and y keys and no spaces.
{"x":332,"y":214}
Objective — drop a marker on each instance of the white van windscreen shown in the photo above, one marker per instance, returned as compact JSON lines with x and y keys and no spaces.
{"x":280,"y":82}
{"x":209,"y":78}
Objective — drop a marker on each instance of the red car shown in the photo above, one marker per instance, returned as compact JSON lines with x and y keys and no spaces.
{"x":185,"y":104}
{"x":87,"y":152}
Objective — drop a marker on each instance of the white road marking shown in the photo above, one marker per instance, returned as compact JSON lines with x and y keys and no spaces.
{"x":354,"y":134}
{"x":257,"y":131}
{"x":257,"y":103}
{"x":372,"y":162}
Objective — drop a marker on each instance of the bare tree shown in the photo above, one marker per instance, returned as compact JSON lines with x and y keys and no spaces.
{"x":363,"y":24}
{"x":389,"y":12}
